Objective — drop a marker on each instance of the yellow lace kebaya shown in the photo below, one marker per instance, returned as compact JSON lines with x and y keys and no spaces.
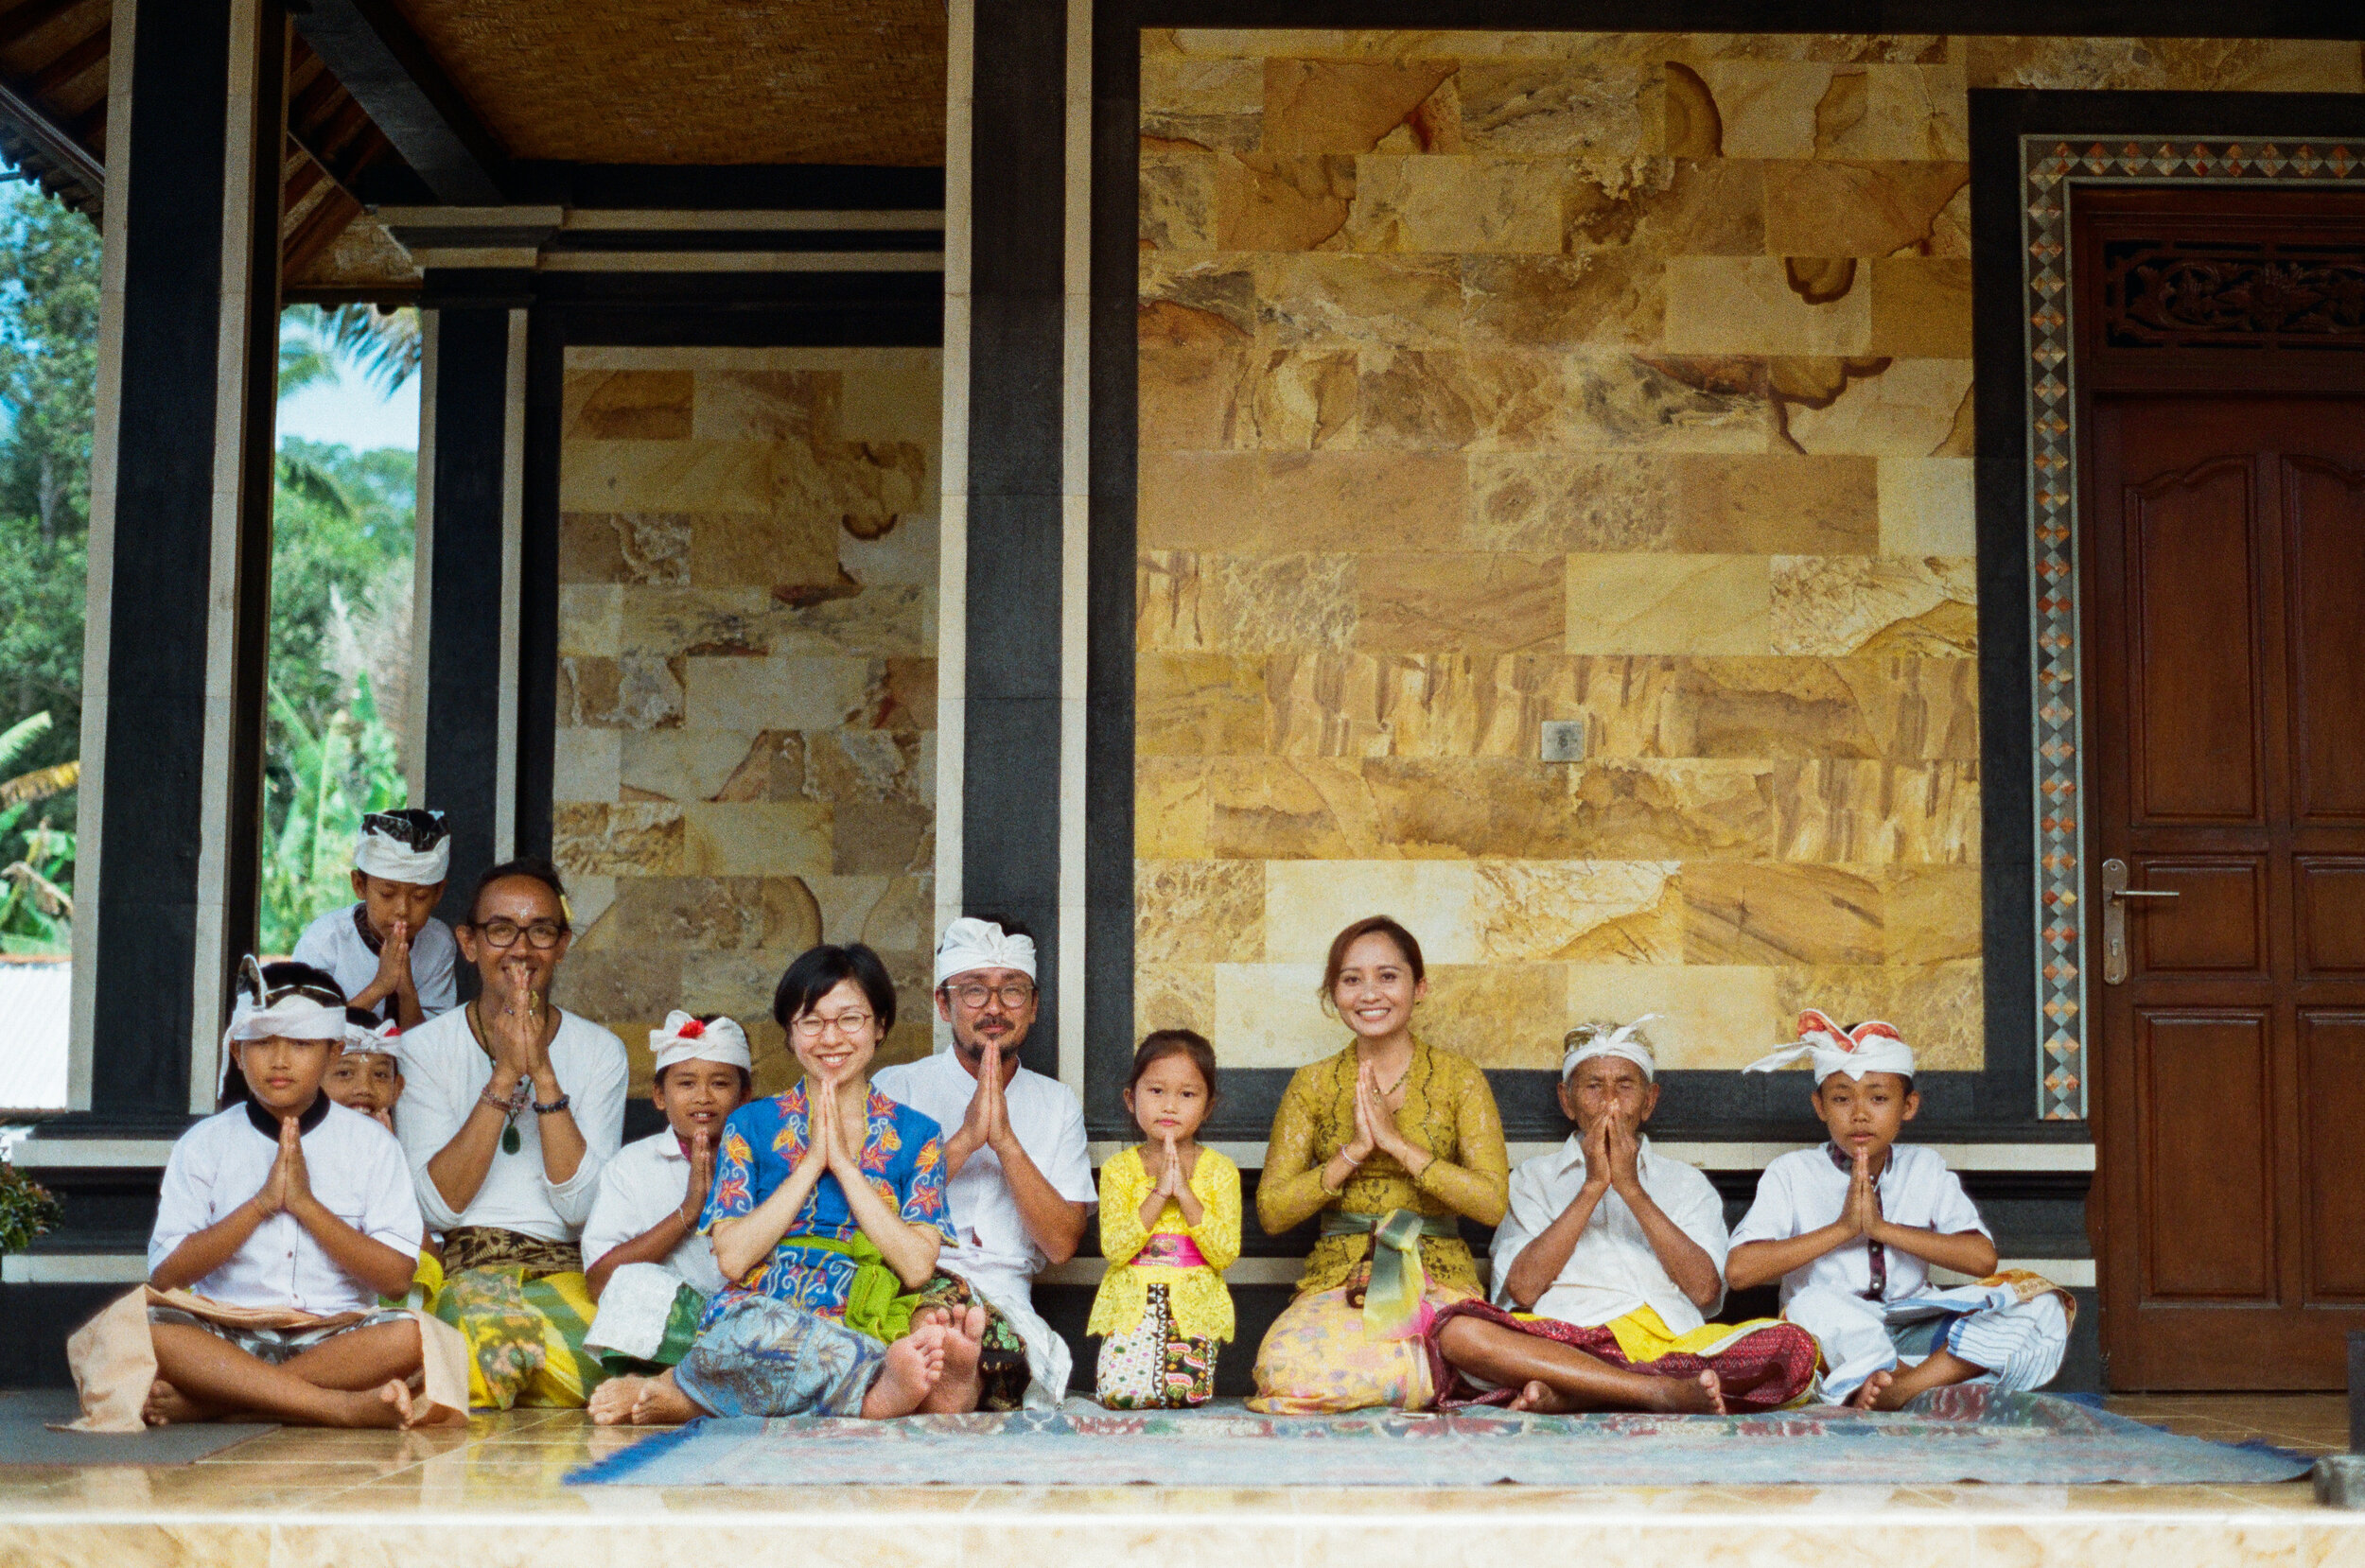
{"x":1196,"y":1296}
{"x":1447,"y":1110}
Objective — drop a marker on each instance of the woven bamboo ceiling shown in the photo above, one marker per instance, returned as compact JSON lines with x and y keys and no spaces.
{"x":700,"y":81}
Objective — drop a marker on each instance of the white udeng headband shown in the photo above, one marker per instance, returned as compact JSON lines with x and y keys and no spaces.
{"x":686,"y":1039}
{"x":1620,"y":1042}
{"x":379,"y":1039}
{"x":379,"y":856}
{"x":1871,"y":1047}
{"x":973,"y":943}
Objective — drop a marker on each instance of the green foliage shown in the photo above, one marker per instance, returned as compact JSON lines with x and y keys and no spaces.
{"x":383,"y":346}
{"x":49,"y":273}
{"x":321,"y":783}
{"x":27,"y":1210}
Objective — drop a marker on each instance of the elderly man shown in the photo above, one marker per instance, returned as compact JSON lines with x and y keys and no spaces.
{"x":1613,"y":1255}
{"x":510,"y":1108}
{"x":1018,"y":1175}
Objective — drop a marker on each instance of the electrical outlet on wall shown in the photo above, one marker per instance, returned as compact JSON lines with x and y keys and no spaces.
{"x":1564,"y":740}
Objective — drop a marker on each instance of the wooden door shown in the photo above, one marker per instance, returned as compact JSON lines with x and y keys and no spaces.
{"x":2228,"y":579}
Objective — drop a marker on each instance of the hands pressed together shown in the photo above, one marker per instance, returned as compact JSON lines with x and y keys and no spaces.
{"x":1613,"y":1152}
{"x":288,"y":1186}
{"x":1376,"y":1127}
{"x":1862,"y":1213}
{"x":987,"y":1121}
{"x":1169,"y":1183}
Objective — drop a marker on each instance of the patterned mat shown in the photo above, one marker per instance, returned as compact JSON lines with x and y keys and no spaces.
{"x":1953,"y":1435}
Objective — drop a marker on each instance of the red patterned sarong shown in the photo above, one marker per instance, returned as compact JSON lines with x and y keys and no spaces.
{"x":1763,"y":1371}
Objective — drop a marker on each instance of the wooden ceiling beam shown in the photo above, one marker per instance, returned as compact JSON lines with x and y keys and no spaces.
{"x":389,"y":72}
{"x":29,"y":16}
{"x":72,"y":62}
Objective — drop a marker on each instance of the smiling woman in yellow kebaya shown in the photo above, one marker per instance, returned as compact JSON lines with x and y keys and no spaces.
{"x":1392,"y":1143}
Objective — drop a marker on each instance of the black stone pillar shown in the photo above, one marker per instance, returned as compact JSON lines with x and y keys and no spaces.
{"x":174,"y":887}
{"x":1010,"y":781}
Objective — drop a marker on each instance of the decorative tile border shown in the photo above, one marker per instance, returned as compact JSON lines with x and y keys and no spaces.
{"x":2050,"y":167}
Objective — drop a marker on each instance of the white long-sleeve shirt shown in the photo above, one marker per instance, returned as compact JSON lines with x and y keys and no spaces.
{"x":354,"y":1166}
{"x":445,"y":1071}
{"x":648,"y":1179}
{"x":1613,"y":1269}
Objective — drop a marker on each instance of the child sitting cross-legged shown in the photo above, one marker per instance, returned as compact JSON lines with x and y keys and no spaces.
{"x":1853,"y":1228}
{"x":367,"y":1077}
{"x":292,"y":1208}
{"x":1169,"y":1227}
{"x":651,"y":1270}
{"x":1605,"y":1268}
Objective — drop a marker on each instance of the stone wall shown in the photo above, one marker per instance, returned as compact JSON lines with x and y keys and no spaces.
{"x":1488,"y":379}
{"x":746,"y":703}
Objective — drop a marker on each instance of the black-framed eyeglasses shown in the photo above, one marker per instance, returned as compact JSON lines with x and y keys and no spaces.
{"x":497,"y":932}
{"x":1014,"y":995}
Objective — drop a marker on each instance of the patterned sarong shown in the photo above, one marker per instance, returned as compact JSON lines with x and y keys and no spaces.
{"x":764,"y":1357}
{"x":1763,"y":1364}
{"x":1151,"y":1366}
{"x":1002,"y":1369}
{"x":523,"y":1307}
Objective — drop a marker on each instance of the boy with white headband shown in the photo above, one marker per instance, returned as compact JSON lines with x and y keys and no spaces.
{"x":272,"y":1300}
{"x":648,"y":1266}
{"x":1852,"y":1228}
{"x":1018,"y":1171}
{"x":368,"y":1076}
{"x":387,"y":951}
{"x":1605,"y":1265}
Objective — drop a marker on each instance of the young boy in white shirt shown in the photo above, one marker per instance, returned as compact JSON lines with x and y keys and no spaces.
{"x":367,"y":1077}
{"x":1852,"y":1228}
{"x":646,"y":1263}
{"x":1607,"y":1263}
{"x":388,"y":952}
{"x":286,"y":1203}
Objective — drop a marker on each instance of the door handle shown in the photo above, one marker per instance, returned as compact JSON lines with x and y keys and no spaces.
{"x":2115,"y":893}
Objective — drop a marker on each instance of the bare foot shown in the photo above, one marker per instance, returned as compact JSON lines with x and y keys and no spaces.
{"x":661,"y":1402}
{"x":957,"y":1392}
{"x":1542,"y":1399}
{"x":1700,"y":1396}
{"x":612,"y":1400}
{"x":915,"y":1364}
{"x":1875,"y":1389}
{"x":167,"y":1405}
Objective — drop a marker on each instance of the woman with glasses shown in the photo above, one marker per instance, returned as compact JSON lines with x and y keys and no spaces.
{"x":827,"y":1215}
{"x":510,"y":1108}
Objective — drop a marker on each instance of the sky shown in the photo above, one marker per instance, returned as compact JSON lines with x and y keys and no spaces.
{"x":353,"y":412}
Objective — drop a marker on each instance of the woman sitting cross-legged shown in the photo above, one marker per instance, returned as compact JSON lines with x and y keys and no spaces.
{"x":1391,"y":1142}
{"x":827,"y":1214}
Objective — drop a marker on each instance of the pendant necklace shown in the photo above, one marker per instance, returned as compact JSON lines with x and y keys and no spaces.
{"x":511,"y":1141}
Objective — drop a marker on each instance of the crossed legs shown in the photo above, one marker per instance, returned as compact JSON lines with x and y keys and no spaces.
{"x":1557,"y":1378}
{"x":355,"y":1379}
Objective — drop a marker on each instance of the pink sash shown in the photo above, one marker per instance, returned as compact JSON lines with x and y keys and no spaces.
{"x":1170,"y":1251}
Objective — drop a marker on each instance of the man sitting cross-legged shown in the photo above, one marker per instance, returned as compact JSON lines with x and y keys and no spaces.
{"x":1018,"y":1173}
{"x":1610,"y":1254}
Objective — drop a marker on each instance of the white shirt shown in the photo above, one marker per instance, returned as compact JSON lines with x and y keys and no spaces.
{"x":334,"y":943}
{"x":1612,"y":1270}
{"x":647,"y":1180}
{"x":990,"y":1238}
{"x":444,"y":1070}
{"x":355,"y":1167}
{"x":1804,"y":1191}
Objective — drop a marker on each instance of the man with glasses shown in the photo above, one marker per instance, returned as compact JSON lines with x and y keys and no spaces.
{"x":510,"y":1108}
{"x":1018,"y":1173}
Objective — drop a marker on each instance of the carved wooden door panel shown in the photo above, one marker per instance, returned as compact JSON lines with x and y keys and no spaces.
{"x":2231,"y":775}
{"x":2222,"y":357}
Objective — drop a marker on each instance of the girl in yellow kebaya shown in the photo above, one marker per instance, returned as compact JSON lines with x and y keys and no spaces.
{"x":1169,"y":1227}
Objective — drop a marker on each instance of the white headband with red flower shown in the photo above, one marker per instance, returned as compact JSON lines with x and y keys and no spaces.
{"x":684,"y":1038}
{"x":1871,"y":1047}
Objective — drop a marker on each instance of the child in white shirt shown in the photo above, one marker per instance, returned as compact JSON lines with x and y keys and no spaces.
{"x":290,"y":1207}
{"x":388,"y":952}
{"x":368,"y":1076}
{"x":1851,"y":1228}
{"x":646,"y":1262}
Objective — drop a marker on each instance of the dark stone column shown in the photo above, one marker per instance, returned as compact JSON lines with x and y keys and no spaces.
{"x":1010,"y":785}
{"x":157,"y":974}
{"x":465,"y":594}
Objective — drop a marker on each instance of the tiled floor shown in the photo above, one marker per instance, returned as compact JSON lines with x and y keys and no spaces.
{"x":354,"y":1499}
